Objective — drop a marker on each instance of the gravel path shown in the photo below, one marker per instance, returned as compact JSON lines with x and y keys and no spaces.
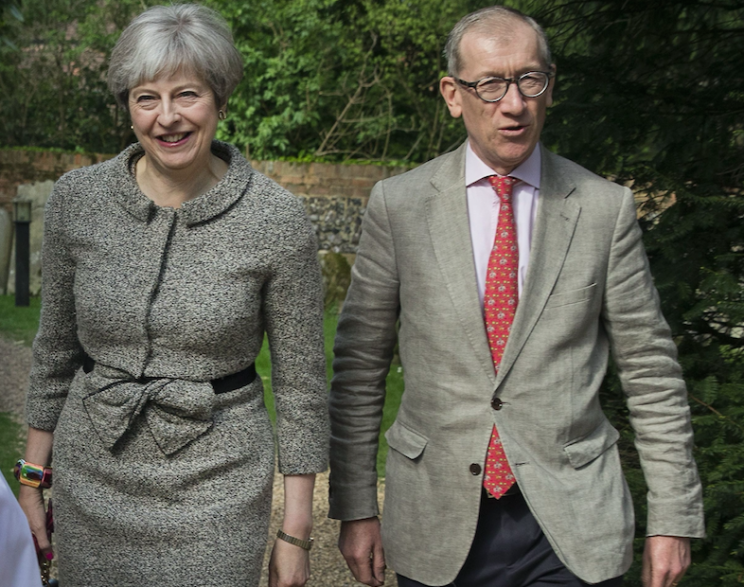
{"x":326,"y":563}
{"x":15,"y":363}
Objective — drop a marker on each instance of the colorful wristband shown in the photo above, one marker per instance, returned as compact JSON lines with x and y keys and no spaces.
{"x":33,"y":475}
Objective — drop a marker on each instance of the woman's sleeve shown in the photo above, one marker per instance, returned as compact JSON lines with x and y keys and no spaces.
{"x":293,"y":311}
{"x":57,"y":353}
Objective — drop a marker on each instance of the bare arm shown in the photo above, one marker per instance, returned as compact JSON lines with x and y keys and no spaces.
{"x":290,"y":565}
{"x":38,"y":452}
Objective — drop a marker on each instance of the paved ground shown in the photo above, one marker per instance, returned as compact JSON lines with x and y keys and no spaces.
{"x":327,"y":566}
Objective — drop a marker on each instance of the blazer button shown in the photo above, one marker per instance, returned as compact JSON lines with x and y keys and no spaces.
{"x":497,"y":404}
{"x":475,"y":469}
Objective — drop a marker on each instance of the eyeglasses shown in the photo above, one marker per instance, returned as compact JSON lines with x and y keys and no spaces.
{"x":492,"y":89}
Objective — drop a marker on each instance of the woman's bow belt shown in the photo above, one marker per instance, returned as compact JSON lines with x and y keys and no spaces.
{"x":177,"y":411}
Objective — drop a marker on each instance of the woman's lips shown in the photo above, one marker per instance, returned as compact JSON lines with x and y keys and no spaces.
{"x":174,"y":139}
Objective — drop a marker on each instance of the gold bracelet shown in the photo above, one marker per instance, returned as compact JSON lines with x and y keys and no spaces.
{"x":305,"y":544}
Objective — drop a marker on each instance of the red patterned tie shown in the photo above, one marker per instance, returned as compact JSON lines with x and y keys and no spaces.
{"x":500,"y":305}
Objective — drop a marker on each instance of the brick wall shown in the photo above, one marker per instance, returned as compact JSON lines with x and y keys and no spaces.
{"x":24,"y":167}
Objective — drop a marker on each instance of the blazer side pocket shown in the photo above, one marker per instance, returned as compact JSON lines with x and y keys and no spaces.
{"x":405,"y":441}
{"x":584,"y":450}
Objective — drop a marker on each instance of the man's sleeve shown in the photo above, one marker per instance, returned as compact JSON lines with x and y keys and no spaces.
{"x":651,"y":377}
{"x":365,"y":341}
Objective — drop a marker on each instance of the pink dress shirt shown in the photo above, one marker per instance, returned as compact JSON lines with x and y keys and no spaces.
{"x":483,"y":211}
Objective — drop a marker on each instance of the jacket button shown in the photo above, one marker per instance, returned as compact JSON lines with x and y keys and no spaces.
{"x":496,"y":404}
{"x":475,"y":469}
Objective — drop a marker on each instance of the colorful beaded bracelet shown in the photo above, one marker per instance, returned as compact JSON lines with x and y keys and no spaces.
{"x":33,"y":475}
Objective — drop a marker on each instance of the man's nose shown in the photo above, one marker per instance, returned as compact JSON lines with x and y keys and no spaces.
{"x":513,"y":101}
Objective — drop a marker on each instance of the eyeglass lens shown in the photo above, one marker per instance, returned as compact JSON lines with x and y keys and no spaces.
{"x":530,"y":85}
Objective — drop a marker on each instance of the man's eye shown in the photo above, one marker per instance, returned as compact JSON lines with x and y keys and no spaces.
{"x":491,"y":85}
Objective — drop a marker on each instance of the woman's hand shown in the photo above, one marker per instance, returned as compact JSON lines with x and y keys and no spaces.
{"x":38,"y":450}
{"x":32,"y":503}
{"x":289,"y":565}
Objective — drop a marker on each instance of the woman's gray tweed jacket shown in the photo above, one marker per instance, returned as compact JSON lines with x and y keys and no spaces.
{"x":159,"y":481}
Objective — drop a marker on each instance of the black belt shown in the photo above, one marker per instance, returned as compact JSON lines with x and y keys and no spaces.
{"x":222,"y":385}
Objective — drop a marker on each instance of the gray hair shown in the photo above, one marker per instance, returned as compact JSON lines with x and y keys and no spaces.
{"x":496,"y":20}
{"x":166,"y":39}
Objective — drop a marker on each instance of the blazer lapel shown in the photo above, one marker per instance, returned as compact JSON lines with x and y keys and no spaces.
{"x":556,"y":220}
{"x":449,"y":230}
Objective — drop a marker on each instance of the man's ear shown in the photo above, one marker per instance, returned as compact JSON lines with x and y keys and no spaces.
{"x":449,"y":90}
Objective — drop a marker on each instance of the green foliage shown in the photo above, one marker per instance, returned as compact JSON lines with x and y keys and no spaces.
{"x":53,"y":88}
{"x":341,"y":79}
{"x":10,"y":16}
{"x":652,"y":93}
{"x":329,"y":80}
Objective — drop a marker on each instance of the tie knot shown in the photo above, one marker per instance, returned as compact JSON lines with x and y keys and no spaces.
{"x":503,"y":185}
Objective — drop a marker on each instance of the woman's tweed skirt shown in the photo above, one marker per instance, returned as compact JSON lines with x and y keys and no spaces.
{"x":136,"y":517}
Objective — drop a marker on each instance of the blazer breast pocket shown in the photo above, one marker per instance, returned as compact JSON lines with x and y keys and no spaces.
{"x":570,"y":306}
{"x":570,"y":297}
{"x":407,"y":442}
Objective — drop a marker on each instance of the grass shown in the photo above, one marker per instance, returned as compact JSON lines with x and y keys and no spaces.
{"x":10,"y":447}
{"x":21,"y":324}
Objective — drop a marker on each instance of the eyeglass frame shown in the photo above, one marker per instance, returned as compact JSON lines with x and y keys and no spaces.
{"x":509,"y":81}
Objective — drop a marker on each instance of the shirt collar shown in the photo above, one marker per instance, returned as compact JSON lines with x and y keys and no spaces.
{"x":528,"y":171}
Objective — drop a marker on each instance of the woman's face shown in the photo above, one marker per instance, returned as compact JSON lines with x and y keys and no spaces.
{"x":175,"y":119}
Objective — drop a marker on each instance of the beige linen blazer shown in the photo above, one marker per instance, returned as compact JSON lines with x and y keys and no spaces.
{"x":588,"y":291}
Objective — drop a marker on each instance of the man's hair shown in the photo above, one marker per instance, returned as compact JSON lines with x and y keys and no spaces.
{"x":166,"y":39}
{"x":497,"y":21}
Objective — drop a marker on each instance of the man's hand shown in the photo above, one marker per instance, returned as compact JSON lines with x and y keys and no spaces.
{"x":665,"y":560}
{"x":360,"y":542}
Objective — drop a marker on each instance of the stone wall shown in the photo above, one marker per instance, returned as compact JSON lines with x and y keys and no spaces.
{"x":335,"y":197}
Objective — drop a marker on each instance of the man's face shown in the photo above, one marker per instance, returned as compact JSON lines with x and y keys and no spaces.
{"x":504,"y":133}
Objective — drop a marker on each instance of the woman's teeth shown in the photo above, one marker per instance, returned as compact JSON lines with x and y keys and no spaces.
{"x":173,"y":138}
